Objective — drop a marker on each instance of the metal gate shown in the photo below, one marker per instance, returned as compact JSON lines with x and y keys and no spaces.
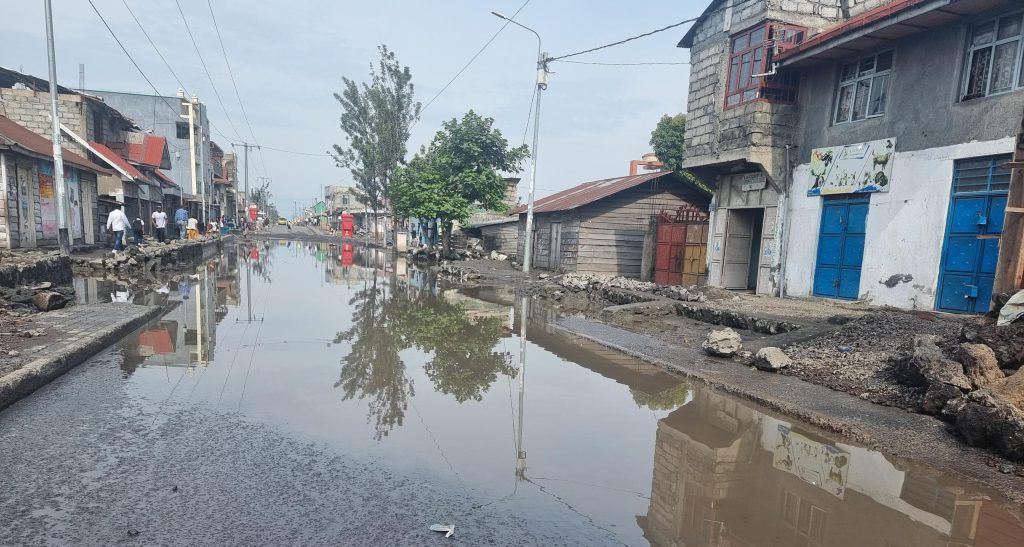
{"x":841,"y":246}
{"x":681,"y":251}
{"x":973,"y":225}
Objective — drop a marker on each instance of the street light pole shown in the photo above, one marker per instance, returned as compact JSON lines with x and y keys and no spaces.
{"x":542,"y":71}
{"x":63,"y":231}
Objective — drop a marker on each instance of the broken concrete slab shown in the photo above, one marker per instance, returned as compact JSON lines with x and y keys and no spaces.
{"x":722,"y":343}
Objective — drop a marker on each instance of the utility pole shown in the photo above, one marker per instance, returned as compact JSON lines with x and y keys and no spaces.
{"x":542,"y":84}
{"x":63,"y":234}
{"x":1010,"y":264}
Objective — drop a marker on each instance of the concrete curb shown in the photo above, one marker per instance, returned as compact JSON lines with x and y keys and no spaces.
{"x":904,"y":435}
{"x":43,"y":370}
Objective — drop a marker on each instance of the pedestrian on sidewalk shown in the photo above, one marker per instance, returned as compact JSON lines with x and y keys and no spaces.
{"x":181,"y":219}
{"x":160,"y":223}
{"x":193,"y":228}
{"x":138,"y":228}
{"x":117,"y":222}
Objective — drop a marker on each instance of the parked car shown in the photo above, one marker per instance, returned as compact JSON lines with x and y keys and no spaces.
{"x":282,"y":222}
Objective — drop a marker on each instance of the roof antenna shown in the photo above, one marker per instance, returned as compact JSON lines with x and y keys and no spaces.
{"x":81,"y":77}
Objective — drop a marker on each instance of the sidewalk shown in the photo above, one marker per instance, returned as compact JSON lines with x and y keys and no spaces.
{"x":60,"y":340}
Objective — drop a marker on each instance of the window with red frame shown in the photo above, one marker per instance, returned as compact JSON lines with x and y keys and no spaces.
{"x":751,"y":59}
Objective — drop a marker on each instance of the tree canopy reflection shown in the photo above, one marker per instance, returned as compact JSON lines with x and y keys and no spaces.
{"x":389,"y":319}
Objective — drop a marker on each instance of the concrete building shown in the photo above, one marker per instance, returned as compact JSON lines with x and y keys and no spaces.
{"x":28,"y":206}
{"x":840,"y":138}
{"x":188,"y":137}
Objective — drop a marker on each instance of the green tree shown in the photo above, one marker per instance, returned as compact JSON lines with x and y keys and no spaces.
{"x":668,"y":141}
{"x":376,"y":118}
{"x":461,"y":168}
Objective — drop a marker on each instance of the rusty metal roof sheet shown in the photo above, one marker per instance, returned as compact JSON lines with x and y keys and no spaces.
{"x":588,"y":192}
{"x":13,"y":134}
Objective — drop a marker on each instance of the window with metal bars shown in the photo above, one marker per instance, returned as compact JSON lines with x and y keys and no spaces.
{"x":995,"y":57}
{"x":981,"y":175}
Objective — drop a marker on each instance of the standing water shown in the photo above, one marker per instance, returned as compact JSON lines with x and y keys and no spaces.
{"x":299,"y":393}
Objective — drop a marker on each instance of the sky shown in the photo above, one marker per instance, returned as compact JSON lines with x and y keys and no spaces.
{"x":288,"y":59}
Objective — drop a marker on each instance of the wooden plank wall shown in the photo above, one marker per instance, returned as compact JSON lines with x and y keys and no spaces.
{"x":612,"y":230}
{"x":503,"y":238}
{"x":542,"y":239}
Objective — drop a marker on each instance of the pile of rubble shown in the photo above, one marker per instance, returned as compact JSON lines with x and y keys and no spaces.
{"x":611,"y":287}
{"x":40,"y":297}
{"x":149,"y":258}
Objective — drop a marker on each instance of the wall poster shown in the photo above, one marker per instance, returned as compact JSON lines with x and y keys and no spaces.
{"x":74,"y":203}
{"x":47,"y":200}
{"x":853,"y":168}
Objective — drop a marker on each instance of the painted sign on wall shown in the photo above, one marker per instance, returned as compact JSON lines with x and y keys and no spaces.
{"x":47,"y":200}
{"x":853,"y":168}
{"x":822,"y":465}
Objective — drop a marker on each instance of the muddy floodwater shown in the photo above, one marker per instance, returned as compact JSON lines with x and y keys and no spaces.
{"x":297,"y":393}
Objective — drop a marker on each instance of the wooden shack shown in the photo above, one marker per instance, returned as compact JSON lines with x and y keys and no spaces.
{"x":607,"y":226}
{"x":499,"y":235}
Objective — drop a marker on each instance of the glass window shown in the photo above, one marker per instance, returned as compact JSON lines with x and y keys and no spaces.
{"x":995,"y":57}
{"x":864,"y":88}
{"x":750,"y":65}
{"x":181,"y":130}
{"x":982,"y":175}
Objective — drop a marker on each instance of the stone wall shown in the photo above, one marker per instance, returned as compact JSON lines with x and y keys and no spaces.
{"x":756,"y":131}
{"x":31,"y":109}
{"x":32,"y":268}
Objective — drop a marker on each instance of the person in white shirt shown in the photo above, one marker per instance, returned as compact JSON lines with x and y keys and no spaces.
{"x":160,"y":223}
{"x":117,"y":222}
{"x":193,"y":228}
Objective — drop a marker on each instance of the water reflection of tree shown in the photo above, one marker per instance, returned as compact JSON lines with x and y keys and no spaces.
{"x":389,"y":320}
{"x":669,"y":399}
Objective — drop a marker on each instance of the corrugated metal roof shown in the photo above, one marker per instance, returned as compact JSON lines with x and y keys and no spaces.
{"x":152,"y":151}
{"x":111,"y":157}
{"x":164,"y":178}
{"x":16,"y":135}
{"x":588,"y":192}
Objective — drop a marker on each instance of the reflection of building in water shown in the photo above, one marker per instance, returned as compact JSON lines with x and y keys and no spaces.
{"x":475,"y":308}
{"x":727,"y":475}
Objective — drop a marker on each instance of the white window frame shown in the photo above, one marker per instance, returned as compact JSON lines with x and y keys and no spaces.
{"x":857,"y":78}
{"x":1018,"y":66}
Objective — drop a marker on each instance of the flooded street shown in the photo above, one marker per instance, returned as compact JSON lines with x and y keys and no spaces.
{"x":297,"y":393}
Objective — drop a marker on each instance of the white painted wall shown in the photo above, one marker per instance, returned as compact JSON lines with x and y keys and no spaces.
{"x":905,"y":226}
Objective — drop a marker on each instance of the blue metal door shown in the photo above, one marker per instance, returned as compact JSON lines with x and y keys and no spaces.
{"x":841,"y":246}
{"x":973,"y":225}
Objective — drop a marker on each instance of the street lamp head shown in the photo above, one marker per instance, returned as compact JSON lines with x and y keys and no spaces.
{"x":498,"y":15}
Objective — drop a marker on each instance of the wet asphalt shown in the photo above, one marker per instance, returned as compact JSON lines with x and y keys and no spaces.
{"x":84,"y":463}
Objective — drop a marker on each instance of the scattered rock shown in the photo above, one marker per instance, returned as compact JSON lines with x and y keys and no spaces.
{"x":1010,"y":389}
{"x":927,"y":365}
{"x":937,"y":396}
{"x":1007,"y":342}
{"x":984,"y":420}
{"x":771,"y":359}
{"x":49,"y":300}
{"x":42,"y":286}
{"x":543,"y":276}
{"x":13,"y":353}
{"x":980,"y":364}
{"x":722,"y":343}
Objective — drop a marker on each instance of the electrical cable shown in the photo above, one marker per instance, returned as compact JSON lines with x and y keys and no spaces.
{"x":472,"y":59}
{"x":620,"y":42}
{"x":234,"y":84}
{"x":207,"y":70}
{"x":624,"y":64}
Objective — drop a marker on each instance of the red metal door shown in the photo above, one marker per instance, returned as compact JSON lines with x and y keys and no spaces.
{"x":680,"y":238}
{"x":668,"y":258}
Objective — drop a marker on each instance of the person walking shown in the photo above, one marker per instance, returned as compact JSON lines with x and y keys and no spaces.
{"x":160,"y":223}
{"x":139,"y":228}
{"x":117,"y":222}
{"x":181,"y":219}
{"x":193,"y":228}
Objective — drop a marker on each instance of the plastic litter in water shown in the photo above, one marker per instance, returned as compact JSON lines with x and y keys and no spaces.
{"x":448,"y":529}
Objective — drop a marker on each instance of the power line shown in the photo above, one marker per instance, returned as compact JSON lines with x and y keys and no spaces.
{"x":213,"y":127}
{"x":325,"y":154}
{"x":529,"y":115}
{"x":207,"y":70}
{"x":620,"y":42}
{"x":130,"y":58}
{"x":624,"y":64}
{"x":473,"y":58}
{"x":234,"y":84}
